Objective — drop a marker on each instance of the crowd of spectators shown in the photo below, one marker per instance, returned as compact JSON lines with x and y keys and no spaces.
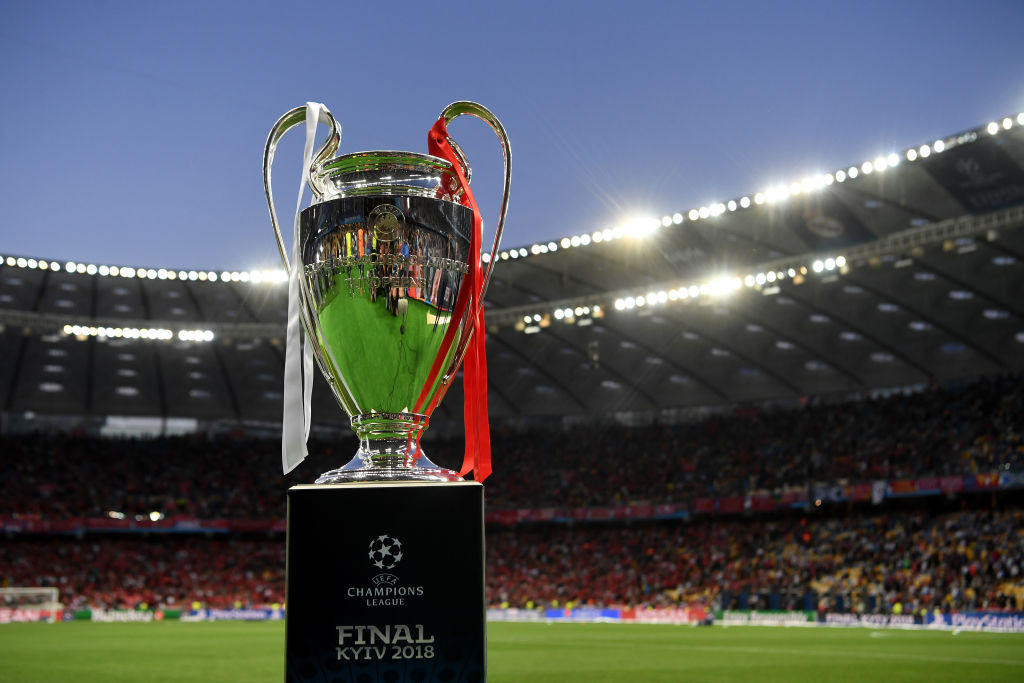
{"x":963,"y":429}
{"x":131,"y":572}
{"x":955,"y":562}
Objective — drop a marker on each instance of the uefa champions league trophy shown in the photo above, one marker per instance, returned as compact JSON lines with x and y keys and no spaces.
{"x":385,"y":555}
{"x":390,"y":288}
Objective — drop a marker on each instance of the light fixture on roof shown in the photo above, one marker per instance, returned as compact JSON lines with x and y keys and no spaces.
{"x":993,"y":128}
{"x":840,"y":176}
{"x":745,"y":202}
{"x":677,"y":218}
{"x":939,"y":146}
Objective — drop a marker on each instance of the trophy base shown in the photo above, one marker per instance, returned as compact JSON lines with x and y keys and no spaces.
{"x":385,"y":583}
{"x":364,"y":467}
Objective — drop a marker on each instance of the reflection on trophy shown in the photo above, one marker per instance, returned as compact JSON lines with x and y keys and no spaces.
{"x":390,"y":288}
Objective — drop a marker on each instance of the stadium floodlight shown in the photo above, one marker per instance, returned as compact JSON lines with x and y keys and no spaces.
{"x":694,"y":214}
{"x":677,"y":218}
{"x":880,"y":164}
{"x":573,"y":241}
{"x":666,"y":221}
{"x":828,"y":179}
{"x":818,"y":266}
{"x":559,"y":315}
{"x":992,"y":128}
{"x":840,"y":176}
{"x":840,"y":261}
{"x":584,"y":241}
{"x":749,"y":280}
{"x":792,"y":271}
{"x":852,"y":172}
{"x":770,"y":276}
{"x":673,"y":295}
{"x":44,"y":265}
{"x":911,"y":154}
{"x":522,"y":252}
{"x":640,"y":301}
{"x":867,"y":167}
{"x":830,"y":264}
{"x":794,"y":189}
{"x":566,"y":243}
{"x":745,"y":202}
{"x":939,"y":146}
{"x":924,"y":151}
{"x":704,"y":212}
{"x":21,"y":263}
{"x":69,"y":266}
{"x":893,"y":159}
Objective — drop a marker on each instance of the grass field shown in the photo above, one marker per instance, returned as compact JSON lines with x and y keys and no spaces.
{"x":559,"y":653}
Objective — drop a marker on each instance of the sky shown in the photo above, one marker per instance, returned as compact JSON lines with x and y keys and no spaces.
{"x":131,"y":133}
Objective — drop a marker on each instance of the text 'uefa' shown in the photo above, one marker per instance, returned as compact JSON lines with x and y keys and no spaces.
{"x":397,"y":641}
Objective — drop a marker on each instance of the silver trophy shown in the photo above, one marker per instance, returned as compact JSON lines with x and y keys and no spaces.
{"x":385,"y":253}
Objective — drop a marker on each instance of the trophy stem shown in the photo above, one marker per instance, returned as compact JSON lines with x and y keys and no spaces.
{"x":389,"y":450}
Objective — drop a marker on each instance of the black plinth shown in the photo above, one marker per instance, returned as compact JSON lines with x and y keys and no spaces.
{"x":385,"y":583}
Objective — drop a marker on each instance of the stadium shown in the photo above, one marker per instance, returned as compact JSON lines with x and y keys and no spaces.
{"x":800,"y":407}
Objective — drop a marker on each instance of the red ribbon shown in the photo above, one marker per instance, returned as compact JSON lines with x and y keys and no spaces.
{"x":477,"y":458}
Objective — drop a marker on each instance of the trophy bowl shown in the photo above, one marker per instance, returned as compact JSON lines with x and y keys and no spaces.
{"x":385,"y":251}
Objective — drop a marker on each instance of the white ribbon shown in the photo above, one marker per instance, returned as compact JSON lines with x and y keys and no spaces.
{"x":298,"y":358}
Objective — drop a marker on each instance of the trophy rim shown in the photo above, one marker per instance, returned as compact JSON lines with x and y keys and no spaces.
{"x":347,"y":163}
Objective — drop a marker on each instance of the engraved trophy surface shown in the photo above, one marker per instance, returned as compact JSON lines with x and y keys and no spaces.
{"x":385,"y":252}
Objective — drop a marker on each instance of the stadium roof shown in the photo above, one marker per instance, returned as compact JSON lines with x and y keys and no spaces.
{"x":897,"y":271}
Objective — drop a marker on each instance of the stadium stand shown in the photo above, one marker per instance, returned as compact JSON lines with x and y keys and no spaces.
{"x":807,"y":398}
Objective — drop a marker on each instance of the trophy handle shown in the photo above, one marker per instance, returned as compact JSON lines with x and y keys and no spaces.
{"x":453,"y":111}
{"x":326,"y":151}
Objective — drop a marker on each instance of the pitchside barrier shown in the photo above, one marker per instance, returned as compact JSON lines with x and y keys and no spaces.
{"x":1005,"y":622}
{"x":1001,"y":622}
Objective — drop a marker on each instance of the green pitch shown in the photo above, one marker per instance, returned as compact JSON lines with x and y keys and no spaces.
{"x":539,"y":653}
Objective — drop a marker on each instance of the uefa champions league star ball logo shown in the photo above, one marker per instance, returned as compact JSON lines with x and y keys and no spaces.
{"x":385,"y":552}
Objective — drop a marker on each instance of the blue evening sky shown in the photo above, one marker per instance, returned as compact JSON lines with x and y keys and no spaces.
{"x":131,"y":132}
